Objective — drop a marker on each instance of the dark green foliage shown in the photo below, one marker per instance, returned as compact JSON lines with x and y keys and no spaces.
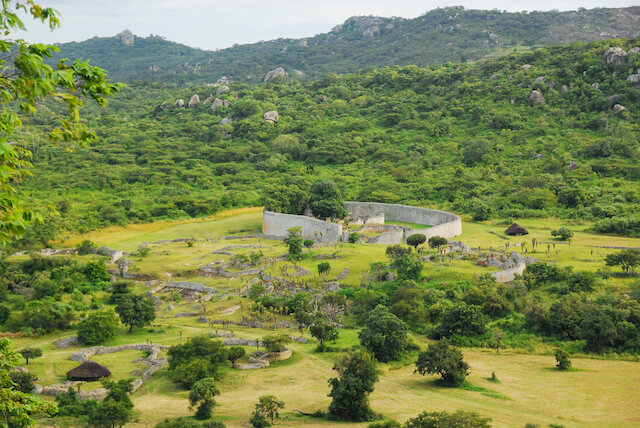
{"x":136,"y":311}
{"x":324,"y":268}
{"x":540,"y":272}
{"x":443,"y":359}
{"x":24,"y":380}
{"x":463,"y":320}
{"x":562,"y":359}
{"x":563,"y":233}
{"x":234,"y":353}
{"x":110,"y":414}
{"x":198,"y":358}
{"x":119,"y":289}
{"x":276,"y":343}
{"x":259,"y":420}
{"x":626,"y":259}
{"x":458,"y":419}
{"x":353,"y":237}
{"x":396,"y":251}
{"x":437,"y":241}
{"x":96,"y":271}
{"x":294,"y":243}
{"x":384,"y":335}
{"x":326,"y":200}
{"x":385,"y":424}
{"x":5,"y":312}
{"x":416,"y":239}
{"x":30,"y":353}
{"x":289,"y":197}
{"x":201,"y":394}
{"x":408,"y":267}
{"x":323,"y":332}
{"x":244,"y":108}
{"x":269,"y":405}
{"x":43,"y":316}
{"x":70,"y":405}
{"x":357,"y":376}
{"x":98,"y":327}
{"x":86,"y":247}
{"x":308,"y":243}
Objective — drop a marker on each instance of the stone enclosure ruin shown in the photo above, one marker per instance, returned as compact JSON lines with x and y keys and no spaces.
{"x":372,"y":215}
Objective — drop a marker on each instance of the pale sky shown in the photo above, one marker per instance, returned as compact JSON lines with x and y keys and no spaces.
{"x":215,"y":24}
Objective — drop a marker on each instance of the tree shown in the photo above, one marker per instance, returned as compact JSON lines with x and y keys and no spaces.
{"x":96,"y":271}
{"x":136,"y":311}
{"x":416,"y":239}
{"x":29,"y":353}
{"x":563,"y":233}
{"x":459,"y":419}
{"x":269,"y":406}
{"x":28,"y":82}
{"x":324,"y":268}
{"x":259,"y":420}
{"x":323,"y":332}
{"x":110,"y":414}
{"x":198,"y":358}
{"x":384,"y":335}
{"x":495,"y":341}
{"x":16,"y":407}
{"x":98,"y":327}
{"x":5,"y":312}
{"x":562,"y":359}
{"x":308,"y":243}
{"x":357,"y":376}
{"x":326,"y":201}
{"x":396,"y":251}
{"x":276,"y":343}
{"x":24,"y":380}
{"x":445,"y":360}
{"x":408,"y":267}
{"x":294,"y":242}
{"x":86,"y":247}
{"x":201,"y":394}
{"x":462,"y":319}
{"x":235,"y":353}
{"x":437,"y":241}
{"x":627,"y":259}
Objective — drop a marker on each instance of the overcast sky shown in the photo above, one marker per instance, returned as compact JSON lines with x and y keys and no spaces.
{"x":213,"y":24}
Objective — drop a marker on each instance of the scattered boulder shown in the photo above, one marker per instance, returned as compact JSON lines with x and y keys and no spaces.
{"x":564,"y":89}
{"x":67,"y":342}
{"x":194,"y":101}
{"x":271,"y":116}
{"x":634,"y":78}
{"x":614,"y":55}
{"x":207,"y":100}
{"x":536,"y":98}
{"x":618,"y":108}
{"x":179,"y":103}
{"x":595,"y":86}
{"x":217,"y":103}
{"x":633,"y":51}
{"x":573,"y":165}
{"x":540,"y":79}
{"x":222,"y":90}
{"x":525,"y":67}
{"x":371,"y":32}
{"x":516,"y":230}
{"x":225,"y":121}
{"x":275,"y":73}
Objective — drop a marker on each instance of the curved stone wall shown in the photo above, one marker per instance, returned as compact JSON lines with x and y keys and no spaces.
{"x":442,"y":223}
{"x":322,"y":231}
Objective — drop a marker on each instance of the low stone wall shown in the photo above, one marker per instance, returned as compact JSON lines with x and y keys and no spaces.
{"x":442,"y":223}
{"x":87,"y":353}
{"x":321,"y":231}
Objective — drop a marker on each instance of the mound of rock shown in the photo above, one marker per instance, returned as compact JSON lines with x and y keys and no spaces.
{"x":194,"y":101}
{"x":615,"y":55}
{"x":271,"y":116}
{"x":536,"y":98}
{"x":278,"y":72}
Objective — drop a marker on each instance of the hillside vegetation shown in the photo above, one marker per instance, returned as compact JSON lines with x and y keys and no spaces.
{"x":450,"y":34}
{"x":461,"y":137}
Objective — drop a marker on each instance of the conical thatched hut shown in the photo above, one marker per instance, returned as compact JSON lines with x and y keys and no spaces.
{"x":88,"y":371}
{"x":516,"y":230}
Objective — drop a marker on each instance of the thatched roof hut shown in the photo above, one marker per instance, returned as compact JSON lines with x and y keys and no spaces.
{"x":516,"y":230}
{"x":88,"y":371}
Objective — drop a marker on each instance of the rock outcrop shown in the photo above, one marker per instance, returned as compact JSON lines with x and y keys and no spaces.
{"x":217,"y":103}
{"x":536,"y":98}
{"x":194,"y":101}
{"x":222,"y":90}
{"x":278,"y":72}
{"x":126,"y":38}
{"x":614,"y":55}
{"x":179,"y":103}
{"x":618,"y":108}
{"x":271,"y":116}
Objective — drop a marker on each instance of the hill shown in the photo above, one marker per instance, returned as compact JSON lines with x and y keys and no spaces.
{"x":552,"y":132}
{"x":450,"y":34}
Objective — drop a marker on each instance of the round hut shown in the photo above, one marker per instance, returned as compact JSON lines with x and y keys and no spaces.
{"x":516,"y":230}
{"x":88,"y":371}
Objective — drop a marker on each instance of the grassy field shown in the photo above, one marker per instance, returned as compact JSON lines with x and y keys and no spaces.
{"x":599,"y":393}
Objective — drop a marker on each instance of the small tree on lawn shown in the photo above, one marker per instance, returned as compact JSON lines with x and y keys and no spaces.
{"x":563,"y":233}
{"x":201,"y":394}
{"x":29,"y":353}
{"x":235,"y":353}
{"x":562,"y":359}
{"x":445,"y":360}
{"x":136,"y":311}
{"x":495,"y":341}
{"x":269,"y":406}
{"x":294,"y":242}
{"x":627,"y":259}
{"x":323,"y":332}
{"x":437,"y":242}
{"x":357,"y":376}
{"x":276,"y":343}
{"x":323,"y":269}
{"x":308,"y":243}
{"x":416,"y":239}
{"x":396,"y":251}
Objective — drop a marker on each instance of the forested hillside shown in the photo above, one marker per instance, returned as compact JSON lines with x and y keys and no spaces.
{"x":553,"y":132}
{"x":449,"y":34}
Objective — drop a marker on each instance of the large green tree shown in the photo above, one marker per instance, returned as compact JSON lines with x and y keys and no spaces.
{"x":445,"y":360}
{"x":384,"y":335}
{"x":201,"y":394}
{"x":326,"y":200}
{"x":136,"y":311}
{"x":25,"y":84}
{"x":357,"y":376}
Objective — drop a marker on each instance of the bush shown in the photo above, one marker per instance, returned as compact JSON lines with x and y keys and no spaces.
{"x":308,"y":243}
{"x":408,"y":267}
{"x":416,"y":239}
{"x":463,"y":320}
{"x":86,"y":247}
{"x":24,"y":380}
{"x":384,"y":335}
{"x":563,"y":233}
{"x":357,"y":376}
{"x":562,"y":359}
{"x":396,"y":251}
{"x":445,"y":360}
{"x":354,"y":237}
{"x":98,"y":327}
{"x":459,"y":419}
{"x":96,"y":271}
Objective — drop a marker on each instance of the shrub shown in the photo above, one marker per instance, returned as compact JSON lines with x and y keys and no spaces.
{"x":86,"y":247}
{"x":98,"y":327}
{"x":396,"y":251}
{"x":562,"y":359}
{"x":24,"y":380}
{"x":463,"y":320}
{"x":357,"y":376}
{"x":308,"y":243}
{"x":563,"y":233}
{"x":354,"y":237}
{"x":408,"y":267}
{"x":458,"y":419}
{"x":96,"y":271}
{"x":384,"y":335}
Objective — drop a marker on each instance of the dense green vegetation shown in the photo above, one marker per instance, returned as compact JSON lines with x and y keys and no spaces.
{"x":449,"y":34}
{"x":459,"y":137}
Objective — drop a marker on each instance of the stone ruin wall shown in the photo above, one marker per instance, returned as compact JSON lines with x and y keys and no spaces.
{"x":277,"y":224}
